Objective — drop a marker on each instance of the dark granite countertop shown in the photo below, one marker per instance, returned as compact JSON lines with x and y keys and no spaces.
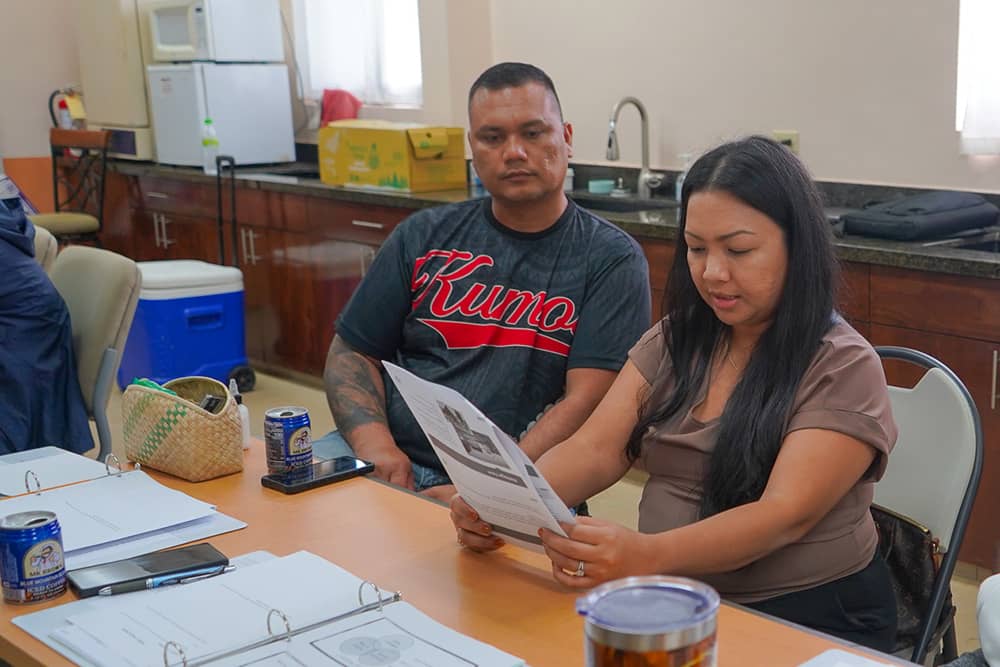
{"x":659,"y":223}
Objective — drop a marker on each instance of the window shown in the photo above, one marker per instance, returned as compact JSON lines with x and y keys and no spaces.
{"x":370,"y":48}
{"x":977,"y":114}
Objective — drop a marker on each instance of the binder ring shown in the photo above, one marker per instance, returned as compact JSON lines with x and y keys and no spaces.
{"x":27,"y":483}
{"x":288,"y":625}
{"x":176,"y":647}
{"x":107,"y":464}
{"x":378,"y":593}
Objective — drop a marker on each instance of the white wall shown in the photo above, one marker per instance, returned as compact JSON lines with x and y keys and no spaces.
{"x":37,"y":55}
{"x":870,"y":86}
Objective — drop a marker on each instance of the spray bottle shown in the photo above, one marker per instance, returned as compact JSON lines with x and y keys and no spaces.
{"x":244,"y":412}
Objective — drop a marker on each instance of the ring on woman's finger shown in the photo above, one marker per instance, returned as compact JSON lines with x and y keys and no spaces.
{"x":579,"y":570}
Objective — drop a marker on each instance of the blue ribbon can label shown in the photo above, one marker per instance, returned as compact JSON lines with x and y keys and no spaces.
{"x":287,"y":438}
{"x":32,"y":564}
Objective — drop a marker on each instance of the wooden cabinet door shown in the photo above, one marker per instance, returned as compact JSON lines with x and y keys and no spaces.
{"x":118,"y":229}
{"x":147,"y":240}
{"x":974,"y":362}
{"x":349,"y":221}
{"x":186,"y":237}
{"x":338,"y":267}
{"x":853,"y":295}
{"x":660,"y":257}
{"x":255,"y":256}
{"x":277,"y":278}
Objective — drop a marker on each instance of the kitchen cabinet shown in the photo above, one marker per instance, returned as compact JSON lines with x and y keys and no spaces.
{"x":117,"y":227}
{"x":170,"y":236}
{"x":302,"y":257}
{"x":854,"y":296}
{"x":343,"y":240}
{"x":660,"y":256}
{"x":173,"y":220}
{"x":280,"y":313}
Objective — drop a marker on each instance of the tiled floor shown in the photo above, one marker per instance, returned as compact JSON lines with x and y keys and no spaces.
{"x":619,"y":503}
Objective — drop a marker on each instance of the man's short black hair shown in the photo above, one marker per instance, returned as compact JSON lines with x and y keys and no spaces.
{"x":512,"y":75}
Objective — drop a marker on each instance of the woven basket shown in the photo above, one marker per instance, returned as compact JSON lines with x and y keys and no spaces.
{"x":174,"y":435}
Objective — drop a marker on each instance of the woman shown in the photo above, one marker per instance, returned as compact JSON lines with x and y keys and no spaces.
{"x":760,"y":415}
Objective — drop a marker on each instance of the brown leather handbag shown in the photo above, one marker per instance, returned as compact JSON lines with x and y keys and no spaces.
{"x":912,"y":555}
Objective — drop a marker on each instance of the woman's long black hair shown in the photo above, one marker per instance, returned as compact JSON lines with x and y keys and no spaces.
{"x":768,"y":177}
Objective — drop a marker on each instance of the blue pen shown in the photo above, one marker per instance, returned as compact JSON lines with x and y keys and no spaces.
{"x":165,"y":580}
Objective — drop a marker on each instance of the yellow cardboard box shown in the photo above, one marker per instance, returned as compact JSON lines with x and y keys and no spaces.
{"x":395,"y":156}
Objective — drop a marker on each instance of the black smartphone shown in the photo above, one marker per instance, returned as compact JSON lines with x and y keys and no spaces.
{"x":317,"y":474}
{"x":146,"y":571}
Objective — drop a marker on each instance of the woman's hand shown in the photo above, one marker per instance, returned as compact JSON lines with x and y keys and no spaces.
{"x":472,"y":533}
{"x":596,"y":551}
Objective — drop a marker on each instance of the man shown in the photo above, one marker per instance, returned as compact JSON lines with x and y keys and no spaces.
{"x":520,"y":301}
{"x":40,"y":399}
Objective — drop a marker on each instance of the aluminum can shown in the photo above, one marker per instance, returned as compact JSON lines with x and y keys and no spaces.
{"x":31,"y":557}
{"x":287,"y":438}
{"x":654,"y":620}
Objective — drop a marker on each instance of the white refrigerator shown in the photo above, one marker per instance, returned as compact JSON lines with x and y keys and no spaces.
{"x":248,"y":103}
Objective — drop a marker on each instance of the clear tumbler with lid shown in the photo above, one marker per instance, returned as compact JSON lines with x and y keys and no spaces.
{"x":653,"y":621}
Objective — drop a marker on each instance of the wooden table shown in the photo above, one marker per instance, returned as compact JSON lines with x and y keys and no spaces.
{"x":406,"y":543}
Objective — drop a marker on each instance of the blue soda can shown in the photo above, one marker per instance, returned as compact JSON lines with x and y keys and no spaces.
{"x":287,"y":438}
{"x":31,"y":557}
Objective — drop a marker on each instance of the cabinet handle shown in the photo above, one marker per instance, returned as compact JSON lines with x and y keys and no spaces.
{"x":166,"y":242}
{"x":157,"y":195}
{"x":369,"y":225}
{"x":243,"y":244}
{"x":253,"y":247}
{"x":156,"y":230}
{"x":993,"y":397}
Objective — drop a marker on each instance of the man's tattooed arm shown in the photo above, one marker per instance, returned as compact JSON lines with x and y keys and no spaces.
{"x":356,"y":394}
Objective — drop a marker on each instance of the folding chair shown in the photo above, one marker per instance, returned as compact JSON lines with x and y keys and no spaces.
{"x":933,"y":475}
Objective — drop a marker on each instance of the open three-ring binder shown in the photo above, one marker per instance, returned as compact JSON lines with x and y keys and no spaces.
{"x":81,"y":505}
{"x":298,"y":609}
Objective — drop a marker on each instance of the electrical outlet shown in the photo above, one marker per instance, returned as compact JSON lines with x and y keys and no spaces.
{"x":788,"y":138}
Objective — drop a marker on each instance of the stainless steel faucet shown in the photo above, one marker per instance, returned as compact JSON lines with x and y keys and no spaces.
{"x":648,"y":180}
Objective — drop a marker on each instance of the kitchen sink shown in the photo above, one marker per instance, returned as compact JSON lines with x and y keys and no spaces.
{"x":620,"y":204}
{"x":982,"y":242}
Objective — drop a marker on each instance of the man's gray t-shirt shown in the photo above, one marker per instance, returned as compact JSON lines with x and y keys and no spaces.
{"x":497,"y":315}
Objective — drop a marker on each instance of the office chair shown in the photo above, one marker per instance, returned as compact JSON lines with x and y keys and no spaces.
{"x":79,"y":163}
{"x":46,"y":248}
{"x":101,"y":290}
{"x":933,"y":475}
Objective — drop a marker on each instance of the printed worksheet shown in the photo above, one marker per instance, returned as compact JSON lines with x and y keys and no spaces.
{"x":488,"y":468}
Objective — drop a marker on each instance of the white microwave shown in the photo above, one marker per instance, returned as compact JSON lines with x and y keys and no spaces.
{"x":216,"y":30}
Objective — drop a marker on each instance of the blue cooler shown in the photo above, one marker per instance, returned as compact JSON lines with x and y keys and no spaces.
{"x":189,"y":321}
